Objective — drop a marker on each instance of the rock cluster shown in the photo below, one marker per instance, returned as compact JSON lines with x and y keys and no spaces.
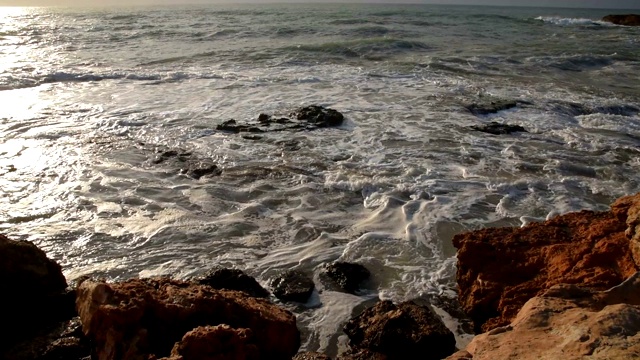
{"x":627,"y":20}
{"x":565,"y":288}
{"x":500,"y":269}
{"x":306,"y":118}
{"x":163,"y":317}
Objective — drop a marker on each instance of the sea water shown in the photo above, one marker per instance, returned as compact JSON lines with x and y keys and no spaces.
{"x":88,"y":97}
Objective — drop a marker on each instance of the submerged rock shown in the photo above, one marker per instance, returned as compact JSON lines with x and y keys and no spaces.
{"x":490,"y":105}
{"x":187,"y":163}
{"x":499,"y":269}
{"x":35,"y":294}
{"x":143,"y":318}
{"x":627,"y":19}
{"x":567,"y":322}
{"x":498,"y":129}
{"x":306,"y":118}
{"x":348,"y":276}
{"x":401,"y":332}
{"x":200,"y":169}
{"x":233,"y":279}
{"x":292,"y":285}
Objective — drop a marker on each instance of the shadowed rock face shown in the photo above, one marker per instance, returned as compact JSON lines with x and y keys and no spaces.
{"x":400,"y":332}
{"x":567,"y":322}
{"x":627,"y":20}
{"x":34,"y":292}
{"x":147,"y":317}
{"x":500,"y":269}
{"x":216,"y":343}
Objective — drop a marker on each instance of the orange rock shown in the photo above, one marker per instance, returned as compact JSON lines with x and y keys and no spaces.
{"x":567,"y":322}
{"x":499,"y":269}
{"x":144,"y":318}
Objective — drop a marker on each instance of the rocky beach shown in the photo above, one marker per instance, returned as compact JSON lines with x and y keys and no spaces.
{"x":567,"y":287}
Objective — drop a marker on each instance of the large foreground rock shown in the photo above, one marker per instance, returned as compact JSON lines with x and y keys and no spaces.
{"x":627,"y":20}
{"x":567,"y":322}
{"x":500,"y":269}
{"x":401,"y":331}
{"x":140,"y":318}
{"x":34,"y":292}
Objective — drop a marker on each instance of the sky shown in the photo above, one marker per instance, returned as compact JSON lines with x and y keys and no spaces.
{"x":609,"y":4}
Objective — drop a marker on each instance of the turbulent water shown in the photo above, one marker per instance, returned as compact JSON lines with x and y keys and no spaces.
{"x":90,"y":96}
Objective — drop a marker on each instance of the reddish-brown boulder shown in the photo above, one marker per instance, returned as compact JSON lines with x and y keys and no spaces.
{"x":500,"y":269}
{"x":216,"y":343}
{"x":400,"y":332}
{"x":146,"y":317}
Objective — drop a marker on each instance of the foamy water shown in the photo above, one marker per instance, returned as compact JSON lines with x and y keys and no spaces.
{"x":90,"y":97}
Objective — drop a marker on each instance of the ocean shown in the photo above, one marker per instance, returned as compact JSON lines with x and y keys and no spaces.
{"x":90,"y":97}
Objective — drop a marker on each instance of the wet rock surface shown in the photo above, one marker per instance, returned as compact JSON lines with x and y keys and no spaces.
{"x":147,"y":317}
{"x":292,"y":285}
{"x":500,"y":269}
{"x":310,"y":356}
{"x":186,"y":163}
{"x":303,"y":119}
{"x":490,"y":105}
{"x":232,"y":279}
{"x":627,"y":19}
{"x":498,"y":129}
{"x":347,"y":276}
{"x":400,"y":332}
{"x":35,"y":295}
{"x":567,"y":322}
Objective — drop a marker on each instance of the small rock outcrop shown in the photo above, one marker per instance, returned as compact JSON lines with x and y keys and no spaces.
{"x":627,"y":20}
{"x":500,"y":269}
{"x":142,"y":318}
{"x":306,"y":118}
{"x":490,"y":105}
{"x":567,"y":322}
{"x":498,"y":129}
{"x":400,"y":332}
{"x":35,"y":292}
{"x":348,"y":276}
{"x":292,"y":285}
{"x":233,"y":279}
{"x":187,"y":164}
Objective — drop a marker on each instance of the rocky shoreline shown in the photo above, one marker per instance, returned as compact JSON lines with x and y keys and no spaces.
{"x":567,"y":287}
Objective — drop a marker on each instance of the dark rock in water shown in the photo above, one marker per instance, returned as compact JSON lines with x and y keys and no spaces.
{"x":401,"y":331}
{"x":233,"y":126}
{"x":498,"y":129}
{"x":627,"y":19}
{"x":171,"y":154}
{"x":319,"y":116}
{"x":292,"y":285}
{"x":67,"y":348}
{"x":310,"y":356}
{"x":490,"y":106}
{"x":306,"y":118}
{"x":348,"y":276}
{"x":198,"y":170}
{"x":233,"y":279}
{"x":34,"y":294}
